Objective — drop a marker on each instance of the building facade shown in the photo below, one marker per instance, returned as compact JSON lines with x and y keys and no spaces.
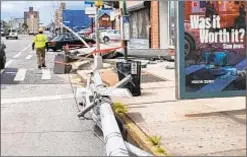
{"x":31,"y":19}
{"x":59,"y":14}
{"x":17,"y":23}
{"x":150,"y":20}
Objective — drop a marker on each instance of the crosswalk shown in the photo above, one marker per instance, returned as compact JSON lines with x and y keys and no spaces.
{"x":21,"y":72}
{"x":31,"y":76}
{"x":20,"y":76}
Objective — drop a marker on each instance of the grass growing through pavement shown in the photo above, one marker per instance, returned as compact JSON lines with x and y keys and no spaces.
{"x":159,"y":149}
{"x":155,"y":140}
{"x":120,"y":108}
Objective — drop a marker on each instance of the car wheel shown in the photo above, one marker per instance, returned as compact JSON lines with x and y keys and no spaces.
{"x":2,"y":64}
{"x":189,"y":45}
{"x":90,"y":44}
{"x":7,"y":38}
{"x":106,"y":39}
{"x":54,"y":50}
{"x":16,"y":38}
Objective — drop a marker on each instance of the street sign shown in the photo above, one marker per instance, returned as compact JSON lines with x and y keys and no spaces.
{"x":90,"y":10}
{"x":125,"y":27}
{"x":89,"y":2}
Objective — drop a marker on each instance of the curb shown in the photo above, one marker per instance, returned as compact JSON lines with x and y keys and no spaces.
{"x":133,"y":132}
{"x":137,"y":136}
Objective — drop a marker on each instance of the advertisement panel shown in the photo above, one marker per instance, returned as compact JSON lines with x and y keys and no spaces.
{"x":212,"y":49}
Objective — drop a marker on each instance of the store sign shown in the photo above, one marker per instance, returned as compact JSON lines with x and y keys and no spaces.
{"x":212,"y":49}
{"x":90,"y":10}
{"x":89,"y":2}
{"x":138,"y":44}
{"x":105,"y":18}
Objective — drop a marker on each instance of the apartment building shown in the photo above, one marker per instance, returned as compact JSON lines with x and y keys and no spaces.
{"x":59,"y":14}
{"x":31,"y":18}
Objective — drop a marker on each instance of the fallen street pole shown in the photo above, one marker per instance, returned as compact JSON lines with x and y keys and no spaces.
{"x":84,"y":42}
{"x":115,"y":145}
{"x":100,"y":107}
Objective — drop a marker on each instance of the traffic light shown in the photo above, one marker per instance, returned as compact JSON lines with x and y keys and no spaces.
{"x":98,"y":3}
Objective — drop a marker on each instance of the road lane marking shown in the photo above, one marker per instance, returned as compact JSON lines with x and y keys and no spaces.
{"x":7,"y":64}
{"x":46,"y":74}
{"x":20,"y":76}
{"x":19,"y":54}
{"x":29,"y":57}
{"x":35,"y":99}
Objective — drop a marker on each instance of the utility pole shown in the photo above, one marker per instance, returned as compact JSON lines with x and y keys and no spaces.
{"x":98,"y":4}
{"x":123,"y":15}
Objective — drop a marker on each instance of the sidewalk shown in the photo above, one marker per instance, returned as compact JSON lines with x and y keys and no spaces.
{"x":214,"y":126}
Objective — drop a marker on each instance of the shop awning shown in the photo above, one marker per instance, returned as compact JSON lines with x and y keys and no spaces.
{"x":139,"y":6}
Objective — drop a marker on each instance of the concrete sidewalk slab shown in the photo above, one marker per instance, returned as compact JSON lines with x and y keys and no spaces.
{"x":215,"y":126}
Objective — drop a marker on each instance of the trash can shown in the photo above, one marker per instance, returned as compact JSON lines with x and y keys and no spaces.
{"x":60,"y":66}
{"x":133,"y":68}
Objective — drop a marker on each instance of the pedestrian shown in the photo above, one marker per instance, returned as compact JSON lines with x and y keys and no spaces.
{"x":40,"y":44}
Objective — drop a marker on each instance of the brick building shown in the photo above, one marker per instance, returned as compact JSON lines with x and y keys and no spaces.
{"x":31,"y":18}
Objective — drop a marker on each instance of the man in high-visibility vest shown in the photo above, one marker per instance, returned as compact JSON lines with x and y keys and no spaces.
{"x":40,"y":44}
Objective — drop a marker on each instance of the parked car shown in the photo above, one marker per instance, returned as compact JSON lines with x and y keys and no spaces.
{"x":12,"y":33}
{"x":49,"y":35}
{"x":110,"y":35}
{"x":2,"y":33}
{"x":61,"y":40}
{"x":85,"y":31}
{"x":2,"y":55}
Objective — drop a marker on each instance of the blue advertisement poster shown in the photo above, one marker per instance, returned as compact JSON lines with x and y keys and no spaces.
{"x":212,"y":49}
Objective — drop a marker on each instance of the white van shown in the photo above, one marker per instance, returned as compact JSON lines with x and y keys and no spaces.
{"x":12,"y":34}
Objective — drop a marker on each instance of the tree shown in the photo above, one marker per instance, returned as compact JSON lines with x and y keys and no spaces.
{"x":25,"y":27}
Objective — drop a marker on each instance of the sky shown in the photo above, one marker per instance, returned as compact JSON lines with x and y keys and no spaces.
{"x":46,"y":8}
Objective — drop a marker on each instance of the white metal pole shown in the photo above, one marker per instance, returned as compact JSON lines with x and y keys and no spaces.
{"x":74,"y":34}
{"x":97,"y":28}
{"x":115,"y":145}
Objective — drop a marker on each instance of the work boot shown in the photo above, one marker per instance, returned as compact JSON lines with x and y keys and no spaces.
{"x":39,"y":67}
{"x":43,"y":65}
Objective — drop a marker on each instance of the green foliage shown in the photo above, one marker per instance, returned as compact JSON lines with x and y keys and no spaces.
{"x":120,"y":108}
{"x":155,"y":140}
{"x":159,"y":149}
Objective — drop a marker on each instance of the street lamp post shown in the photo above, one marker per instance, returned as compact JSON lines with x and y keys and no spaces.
{"x":124,"y":13}
{"x":97,"y":5}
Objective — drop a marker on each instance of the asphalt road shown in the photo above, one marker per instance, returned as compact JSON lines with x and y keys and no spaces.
{"x":38,"y":109}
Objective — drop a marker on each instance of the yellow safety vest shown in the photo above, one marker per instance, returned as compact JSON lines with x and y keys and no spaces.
{"x":40,"y":40}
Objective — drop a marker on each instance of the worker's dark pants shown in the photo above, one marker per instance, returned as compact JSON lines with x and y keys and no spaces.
{"x":40,"y":56}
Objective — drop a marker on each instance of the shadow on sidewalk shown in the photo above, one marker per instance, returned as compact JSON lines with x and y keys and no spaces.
{"x":230,"y":114}
{"x":137,"y":117}
{"x":131,"y":105}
